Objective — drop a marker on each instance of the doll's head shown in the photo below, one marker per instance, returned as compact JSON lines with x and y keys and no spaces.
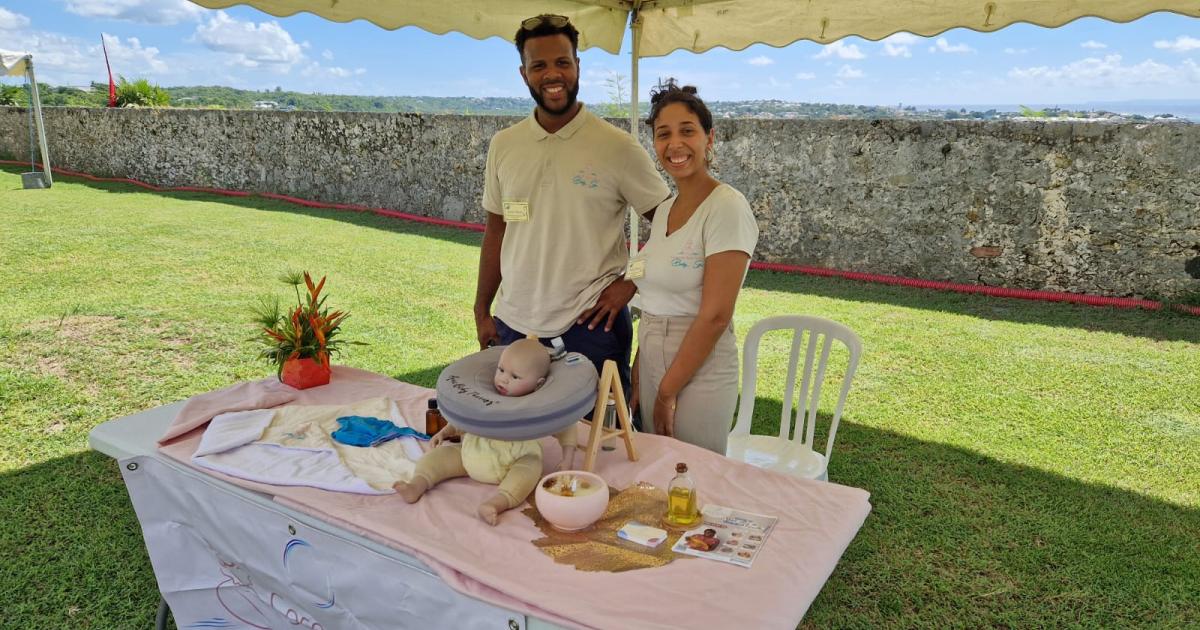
{"x":523,"y":367}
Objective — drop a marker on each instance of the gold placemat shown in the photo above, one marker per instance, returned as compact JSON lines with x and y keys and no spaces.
{"x":598,"y":548}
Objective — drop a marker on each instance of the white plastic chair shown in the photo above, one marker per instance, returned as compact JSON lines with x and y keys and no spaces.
{"x":793,"y":455}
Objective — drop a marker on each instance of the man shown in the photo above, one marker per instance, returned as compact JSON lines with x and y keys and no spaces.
{"x":556,"y":186}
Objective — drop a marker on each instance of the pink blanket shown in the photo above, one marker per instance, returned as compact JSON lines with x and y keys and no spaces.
{"x":817,"y":520}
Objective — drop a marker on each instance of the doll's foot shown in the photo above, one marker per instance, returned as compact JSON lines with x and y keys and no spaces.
{"x":568,"y":459}
{"x":411,"y":491}
{"x":490,"y":510}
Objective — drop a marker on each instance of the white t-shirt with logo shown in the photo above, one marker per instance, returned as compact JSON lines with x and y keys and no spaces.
{"x":674,"y":265}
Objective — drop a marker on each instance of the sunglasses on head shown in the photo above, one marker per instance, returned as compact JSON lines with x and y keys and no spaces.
{"x":557,"y":21}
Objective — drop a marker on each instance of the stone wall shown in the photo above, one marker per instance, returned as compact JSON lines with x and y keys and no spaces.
{"x":1108,"y":209}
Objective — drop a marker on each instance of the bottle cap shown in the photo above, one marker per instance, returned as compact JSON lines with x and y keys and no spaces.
{"x":681,"y":467}
{"x":433,"y":403}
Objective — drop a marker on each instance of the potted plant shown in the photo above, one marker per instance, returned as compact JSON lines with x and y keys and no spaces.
{"x":300,"y":341}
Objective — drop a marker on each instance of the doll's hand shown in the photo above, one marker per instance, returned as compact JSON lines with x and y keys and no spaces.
{"x":447,"y":431}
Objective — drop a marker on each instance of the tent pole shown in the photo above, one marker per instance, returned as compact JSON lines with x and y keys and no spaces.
{"x":37,"y":113}
{"x":635,"y":26}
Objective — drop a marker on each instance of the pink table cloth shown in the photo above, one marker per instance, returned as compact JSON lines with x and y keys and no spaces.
{"x":817,"y":521}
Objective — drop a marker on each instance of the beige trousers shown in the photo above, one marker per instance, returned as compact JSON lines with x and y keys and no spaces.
{"x":705,"y":406}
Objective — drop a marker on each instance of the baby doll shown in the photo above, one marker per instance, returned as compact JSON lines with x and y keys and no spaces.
{"x":516,"y":466}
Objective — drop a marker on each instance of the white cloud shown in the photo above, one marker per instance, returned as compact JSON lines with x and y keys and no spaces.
{"x":805,"y":76}
{"x":327,"y":55}
{"x":250,"y":44}
{"x":1093,"y":44}
{"x":343,"y":73}
{"x":841,"y":50}
{"x":1017,"y":51}
{"x":10,"y":21}
{"x":1110,"y":72}
{"x":772,"y":82}
{"x":848,"y":72}
{"x":66,"y":60}
{"x":317,"y":71}
{"x":1181,"y":44}
{"x":61,"y":60}
{"x":761,"y":60}
{"x":944,"y":45}
{"x":898,"y":45}
{"x":128,"y":55}
{"x":163,"y":12}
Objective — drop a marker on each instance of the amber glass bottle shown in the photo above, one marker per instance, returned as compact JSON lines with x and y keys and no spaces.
{"x":434,"y":421}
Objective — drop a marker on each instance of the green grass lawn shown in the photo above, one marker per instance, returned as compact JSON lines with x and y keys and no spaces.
{"x":1030,"y":464}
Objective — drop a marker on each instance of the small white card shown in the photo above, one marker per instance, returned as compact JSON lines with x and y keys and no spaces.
{"x":515,"y":211}
{"x":645,"y":535}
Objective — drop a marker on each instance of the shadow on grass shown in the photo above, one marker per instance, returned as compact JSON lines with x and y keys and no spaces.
{"x":954,"y":539}
{"x":426,"y":377}
{"x":1167,"y":325}
{"x":1159,"y":325}
{"x":72,"y":547}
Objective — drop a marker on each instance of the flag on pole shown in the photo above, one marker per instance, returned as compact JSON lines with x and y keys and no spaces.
{"x":112,"y":87}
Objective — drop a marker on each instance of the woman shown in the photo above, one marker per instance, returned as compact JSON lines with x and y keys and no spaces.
{"x":689,"y":274}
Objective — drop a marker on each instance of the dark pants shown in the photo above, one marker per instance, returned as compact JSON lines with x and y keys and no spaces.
{"x":596,"y":345}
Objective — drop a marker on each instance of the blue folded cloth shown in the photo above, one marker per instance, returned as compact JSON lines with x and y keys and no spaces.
{"x":367,"y":431}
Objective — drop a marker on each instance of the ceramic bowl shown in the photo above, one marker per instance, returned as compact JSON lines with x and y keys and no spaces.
{"x":571,"y":513}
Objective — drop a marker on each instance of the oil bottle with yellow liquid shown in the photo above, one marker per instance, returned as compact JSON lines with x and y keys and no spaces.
{"x":681,"y":499}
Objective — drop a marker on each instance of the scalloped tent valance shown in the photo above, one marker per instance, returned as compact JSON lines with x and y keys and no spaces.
{"x":698,"y":25}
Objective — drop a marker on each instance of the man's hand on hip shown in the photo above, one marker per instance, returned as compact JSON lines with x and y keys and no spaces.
{"x":612,"y":299}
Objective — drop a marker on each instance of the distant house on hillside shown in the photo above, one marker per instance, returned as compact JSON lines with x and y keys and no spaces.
{"x":265,"y":105}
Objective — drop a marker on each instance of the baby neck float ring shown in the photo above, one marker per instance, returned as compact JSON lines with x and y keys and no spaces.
{"x":468,"y":399}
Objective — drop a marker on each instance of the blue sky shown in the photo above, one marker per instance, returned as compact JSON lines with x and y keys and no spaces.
{"x":174,"y":42}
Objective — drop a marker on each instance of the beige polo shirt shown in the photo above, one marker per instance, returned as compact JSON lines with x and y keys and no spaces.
{"x":576,"y":183}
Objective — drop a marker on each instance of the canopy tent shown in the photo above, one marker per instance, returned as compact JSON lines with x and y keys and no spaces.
{"x":659,"y":27}
{"x":16,"y":64}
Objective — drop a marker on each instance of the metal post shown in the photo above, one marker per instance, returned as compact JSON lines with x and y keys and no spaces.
{"x":635,"y":27}
{"x":37,"y":113}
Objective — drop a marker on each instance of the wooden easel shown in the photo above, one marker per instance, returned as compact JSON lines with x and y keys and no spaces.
{"x":609,"y":386}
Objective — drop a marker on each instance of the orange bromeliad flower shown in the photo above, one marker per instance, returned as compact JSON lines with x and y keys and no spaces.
{"x":305,"y":331}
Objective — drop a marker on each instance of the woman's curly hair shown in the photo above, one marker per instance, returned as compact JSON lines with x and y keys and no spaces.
{"x":667,"y":92}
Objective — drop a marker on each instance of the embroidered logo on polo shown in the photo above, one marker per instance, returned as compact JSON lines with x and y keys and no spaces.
{"x":586,"y":177}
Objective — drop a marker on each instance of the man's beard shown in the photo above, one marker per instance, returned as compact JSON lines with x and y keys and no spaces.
{"x":572,"y":93}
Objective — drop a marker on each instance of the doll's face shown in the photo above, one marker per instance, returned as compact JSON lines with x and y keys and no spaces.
{"x":522,"y":368}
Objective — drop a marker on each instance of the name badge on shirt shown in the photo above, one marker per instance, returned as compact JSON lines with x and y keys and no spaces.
{"x":637,"y":269}
{"x":515,"y":211}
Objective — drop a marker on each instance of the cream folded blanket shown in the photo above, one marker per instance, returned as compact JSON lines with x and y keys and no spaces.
{"x":291,"y":446}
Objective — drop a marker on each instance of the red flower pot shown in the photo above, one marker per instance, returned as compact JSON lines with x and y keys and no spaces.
{"x":304,"y":373}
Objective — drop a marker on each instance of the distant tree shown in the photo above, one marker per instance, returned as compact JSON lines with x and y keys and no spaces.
{"x":12,"y":95}
{"x":140,"y":93}
{"x":1032,"y":113}
{"x":618,"y":96}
